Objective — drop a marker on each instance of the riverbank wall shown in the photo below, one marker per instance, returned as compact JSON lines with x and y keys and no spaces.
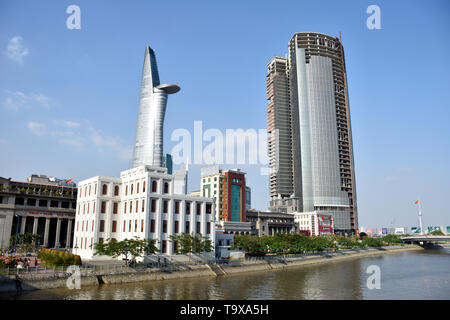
{"x":39,"y":281}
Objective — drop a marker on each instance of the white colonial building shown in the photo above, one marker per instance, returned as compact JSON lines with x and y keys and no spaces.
{"x":314,"y":223}
{"x":145,"y":202}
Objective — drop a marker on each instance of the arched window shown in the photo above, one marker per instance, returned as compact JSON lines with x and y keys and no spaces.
{"x":154,"y":186}
{"x":116,"y":190}
{"x":166,"y":187}
{"x":104,"y":189}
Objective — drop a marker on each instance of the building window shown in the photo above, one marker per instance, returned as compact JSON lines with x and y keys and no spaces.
{"x":116,"y":190}
{"x":105,"y":189}
{"x":137,"y":205}
{"x":126,"y":190}
{"x":143,"y":186}
{"x":175,"y":246}
{"x":165,"y":206}
{"x":129,"y":226}
{"x":164,"y":246}
{"x":124,"y":225}
{"x":208,"y":208}
{"x":152,"y":225}
{"x":198,"y":227}
{"x":188,"y":208}
{"x":125,"y":207}
{"x":93,"y":209}
{"x":131,"y":192}
{"x":95,"y":189}
{"x":114,"y":226}
{"x":143,"y":205}
{"x":137,"y":188}
{"x":102,"y":225}
{"x":199,"y":208}
{"x":164,"y":226}
{"x":187,"y":227}
{"x":131,"y":206}
{"x":154,"y":186}
{"x":92,"y":225}
{"x":142,"y":225}
{"x":115,"y":207}
{"x":135,"y":225}
{"x":103,"y":207}
{"x":208,"y":228}
{"x":176,"y":227}
{"x":166,"y":187}
{"x":153,"y":205}
{"x":89,"y":190}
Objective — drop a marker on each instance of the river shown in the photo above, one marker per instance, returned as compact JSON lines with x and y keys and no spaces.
{"x":422,"y":274}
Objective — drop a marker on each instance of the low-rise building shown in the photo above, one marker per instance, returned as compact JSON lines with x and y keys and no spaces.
{"x":270,"y":223}
{"x":41,"y":205}
{"x":312,"y":223}
{"x":145,"y":202}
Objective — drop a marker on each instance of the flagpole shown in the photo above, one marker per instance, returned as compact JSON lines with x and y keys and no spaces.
{"x":420,"y":218}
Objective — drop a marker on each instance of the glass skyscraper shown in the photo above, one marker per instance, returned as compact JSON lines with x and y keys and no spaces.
{"x":148,"y":147}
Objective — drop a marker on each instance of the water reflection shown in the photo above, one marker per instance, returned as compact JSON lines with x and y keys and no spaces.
{"x":407,"y":275}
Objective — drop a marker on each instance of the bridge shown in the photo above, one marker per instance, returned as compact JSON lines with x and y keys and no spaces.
{"x":425,"y":239}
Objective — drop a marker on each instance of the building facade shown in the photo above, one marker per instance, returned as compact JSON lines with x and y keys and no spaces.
{"x":227,"y":188}
{"x":270,"y":223}
{"x":141,"y":203}
{"x":40,"y":205}
{"x":312,"y":223}
{"x":322,"y":165}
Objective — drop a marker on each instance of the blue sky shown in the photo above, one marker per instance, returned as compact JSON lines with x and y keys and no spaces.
{"x":69,"y":98}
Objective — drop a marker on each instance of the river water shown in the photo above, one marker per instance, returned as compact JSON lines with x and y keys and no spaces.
{"x":422,"y":274}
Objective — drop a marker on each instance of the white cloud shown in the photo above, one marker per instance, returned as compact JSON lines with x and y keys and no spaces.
{"x":37,"y":128}
{"x":16,"y":100}
{"x":16,"y":50}
{"x":66,"y":123}
{"x":75,"y":142}
{"x":82,"y":136}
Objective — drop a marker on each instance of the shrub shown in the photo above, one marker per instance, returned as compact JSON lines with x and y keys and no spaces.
{"x":57,"y":258}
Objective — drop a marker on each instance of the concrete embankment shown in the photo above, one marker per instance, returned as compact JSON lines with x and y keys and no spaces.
{"x":34,"y":281}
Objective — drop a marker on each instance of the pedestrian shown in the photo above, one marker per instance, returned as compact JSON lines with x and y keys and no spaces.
{"x":35,"y":262}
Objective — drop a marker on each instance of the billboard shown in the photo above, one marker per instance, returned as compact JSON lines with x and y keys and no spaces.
{"x":434,"y":228}
{"x":384,"y":231}
{"x":415,"y":230}
{"x":400,"y":230}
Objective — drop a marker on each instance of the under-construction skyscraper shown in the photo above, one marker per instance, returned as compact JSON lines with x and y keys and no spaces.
{"x":309,"y":129}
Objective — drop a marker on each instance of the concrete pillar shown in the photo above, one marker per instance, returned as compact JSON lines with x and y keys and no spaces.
{"x":58,"y":231}
{"x":69,"y":233}
{"x":5,"y":230}
{"x":35,"y":225}
{"x":47,"y":230}
{"x":23,"y":222}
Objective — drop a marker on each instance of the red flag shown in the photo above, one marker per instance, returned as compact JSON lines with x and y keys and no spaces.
{"x":417,"y":201}
{"x":69,"y":181}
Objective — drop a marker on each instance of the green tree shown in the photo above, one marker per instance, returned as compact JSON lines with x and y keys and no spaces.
{"x":133,"y":248}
